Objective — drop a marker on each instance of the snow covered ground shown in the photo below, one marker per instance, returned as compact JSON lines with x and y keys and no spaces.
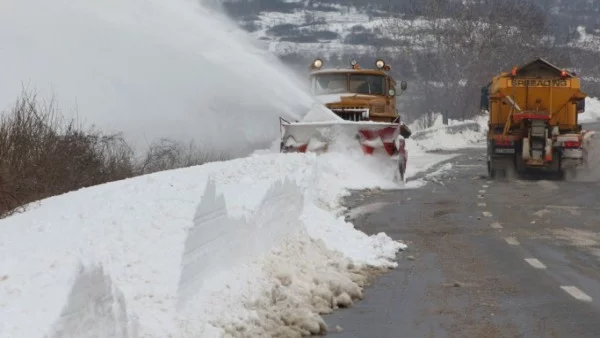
{"x":247,"y":247}
{"x":455,"y":135}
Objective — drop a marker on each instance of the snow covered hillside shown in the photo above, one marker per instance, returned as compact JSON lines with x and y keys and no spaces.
{"x":249,"y":247}
{"x":334,"y":29}
{"x":441,"y":48}
{"x":330,"y":26}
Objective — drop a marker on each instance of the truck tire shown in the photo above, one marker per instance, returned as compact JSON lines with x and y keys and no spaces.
{"x":519,"y":163}
{"x":491,"y":169}
{"x":401,"y":168}
{"x":557,"y":165}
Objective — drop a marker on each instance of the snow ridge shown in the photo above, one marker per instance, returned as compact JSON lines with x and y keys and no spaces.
{"x":250,"y":247}
{"x":95,"y":307}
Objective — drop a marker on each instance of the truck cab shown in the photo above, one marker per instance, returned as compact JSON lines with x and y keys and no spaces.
{"x":357,"y":94}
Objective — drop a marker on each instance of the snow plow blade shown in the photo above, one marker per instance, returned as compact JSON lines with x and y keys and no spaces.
{"x":317,"y":137}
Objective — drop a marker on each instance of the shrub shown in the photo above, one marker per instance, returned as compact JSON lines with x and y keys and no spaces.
{"x":42,"y":155}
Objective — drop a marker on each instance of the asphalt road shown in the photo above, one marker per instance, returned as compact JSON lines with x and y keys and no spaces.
{"x":516,"y":258}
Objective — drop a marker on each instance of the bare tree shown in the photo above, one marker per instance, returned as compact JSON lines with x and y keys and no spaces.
{"x":455,"y":47}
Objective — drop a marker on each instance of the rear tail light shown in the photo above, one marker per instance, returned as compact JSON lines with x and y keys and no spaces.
{"x":571,"y":144}
{"x":504,"y":143}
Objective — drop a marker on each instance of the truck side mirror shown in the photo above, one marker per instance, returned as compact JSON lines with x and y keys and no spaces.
{"x":403,"y":86}
{"x":580,"y":106}
{"x":484,"y":104}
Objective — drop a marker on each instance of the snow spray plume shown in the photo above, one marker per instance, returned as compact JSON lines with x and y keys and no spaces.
{"x":151,"y":69}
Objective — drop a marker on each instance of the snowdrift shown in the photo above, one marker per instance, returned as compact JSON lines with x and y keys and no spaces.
{"x":460,"y":134}
{"x":456,"y":135}
{"x":249,"y":247}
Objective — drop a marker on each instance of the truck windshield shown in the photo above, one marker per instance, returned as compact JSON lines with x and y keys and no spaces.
{"x":367,"y":84}
{"x":334,"y":83}
{"x":330,"y":83}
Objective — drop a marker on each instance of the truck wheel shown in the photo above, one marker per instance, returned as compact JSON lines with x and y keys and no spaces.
{"x":557,"y":166}
{"x":491,"y":170}
{"x":401,"y":168}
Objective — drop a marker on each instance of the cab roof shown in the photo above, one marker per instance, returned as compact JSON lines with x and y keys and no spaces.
{"x":350,"y":70}
{"x":540,"y":67}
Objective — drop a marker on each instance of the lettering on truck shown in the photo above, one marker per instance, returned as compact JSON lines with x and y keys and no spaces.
{"x":539,"y":83}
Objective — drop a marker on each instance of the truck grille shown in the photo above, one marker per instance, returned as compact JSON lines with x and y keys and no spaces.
{"x":352,"y":114}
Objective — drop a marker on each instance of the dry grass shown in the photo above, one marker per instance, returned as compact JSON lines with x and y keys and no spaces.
{"x":43,"y":155}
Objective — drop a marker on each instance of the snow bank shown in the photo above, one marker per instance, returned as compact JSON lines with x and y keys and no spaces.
{"x":320,"y":113}
{"x":458,"y":134}
{"x":592,"y":111}
{"x":250,"y":247}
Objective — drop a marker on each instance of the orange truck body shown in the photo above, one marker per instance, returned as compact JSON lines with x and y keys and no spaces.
{"x":347,"y":93}
{"x":533,"y":119}
{"x":361,"y":109}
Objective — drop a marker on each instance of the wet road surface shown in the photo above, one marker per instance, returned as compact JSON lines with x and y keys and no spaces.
{"x":517,"y":258}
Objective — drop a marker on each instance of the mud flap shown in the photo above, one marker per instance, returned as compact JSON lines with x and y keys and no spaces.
{"x":490,"y":169}
{"x":401,"y":170}
{"x":501,"y":167}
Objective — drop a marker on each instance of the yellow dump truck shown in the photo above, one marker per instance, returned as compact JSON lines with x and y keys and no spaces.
{"x":533,"y":123}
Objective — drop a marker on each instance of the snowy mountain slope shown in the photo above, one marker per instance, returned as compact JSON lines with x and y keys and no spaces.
{"x":196,"y":251}
{"x":419,"y":39}
{"x":336,"y":31}
{"x":300,"y":26}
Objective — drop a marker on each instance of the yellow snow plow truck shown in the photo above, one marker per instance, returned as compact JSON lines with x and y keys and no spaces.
{"x":533,"y":125}
{"x":355,"y":105}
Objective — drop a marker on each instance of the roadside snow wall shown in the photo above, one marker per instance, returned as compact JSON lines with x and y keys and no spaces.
{"x":251,"y":247}
{"x":431,"y":134}
{"x":457,"y":134}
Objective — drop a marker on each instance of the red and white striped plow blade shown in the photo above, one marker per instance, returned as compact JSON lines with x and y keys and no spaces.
{"x":371,"y":139}
{"x":316,"y":136}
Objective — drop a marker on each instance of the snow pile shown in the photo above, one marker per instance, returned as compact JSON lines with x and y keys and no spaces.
{"x":320,"y":113}
{"x":251,"y":247}
{"x":592,"y":111}
{"x":458,"y":134}
{"x":151,"y":69}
